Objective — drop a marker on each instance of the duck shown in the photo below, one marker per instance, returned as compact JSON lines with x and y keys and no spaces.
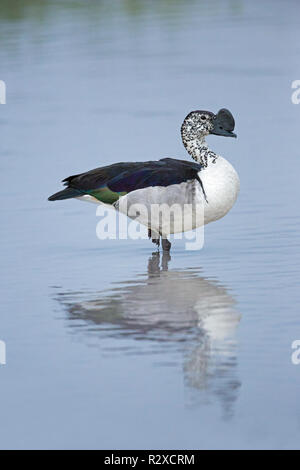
{"x":202,"y":190}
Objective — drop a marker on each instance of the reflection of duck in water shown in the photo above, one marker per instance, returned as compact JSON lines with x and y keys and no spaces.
{"x":193,"y":314}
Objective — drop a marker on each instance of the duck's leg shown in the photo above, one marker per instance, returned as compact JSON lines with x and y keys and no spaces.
{"x":153,"y":264}
{"x":154,"y":237}
{"x":165,"y":260}
{"x":166,"y":245}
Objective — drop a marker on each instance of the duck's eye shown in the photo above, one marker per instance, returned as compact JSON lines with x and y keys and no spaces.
{"x":203,"y":118}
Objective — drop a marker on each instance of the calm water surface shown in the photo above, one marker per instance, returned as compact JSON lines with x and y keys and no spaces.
{"x":110,"y":345}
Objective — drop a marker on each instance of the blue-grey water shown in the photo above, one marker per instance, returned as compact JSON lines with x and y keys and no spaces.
{"x":109,"y":345}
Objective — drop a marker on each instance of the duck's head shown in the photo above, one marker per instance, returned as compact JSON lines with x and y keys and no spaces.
{"x":199,"y":124}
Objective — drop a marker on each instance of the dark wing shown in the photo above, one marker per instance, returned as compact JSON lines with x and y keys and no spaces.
{"x":109,"y":183}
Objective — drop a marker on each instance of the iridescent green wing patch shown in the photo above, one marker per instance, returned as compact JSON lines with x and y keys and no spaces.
{"x":106,"y":195}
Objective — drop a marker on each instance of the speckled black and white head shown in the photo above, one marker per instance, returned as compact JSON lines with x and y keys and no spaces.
{"x":198,"y":124}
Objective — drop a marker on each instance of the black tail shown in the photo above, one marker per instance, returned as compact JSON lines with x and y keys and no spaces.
{"x":67,"y":193}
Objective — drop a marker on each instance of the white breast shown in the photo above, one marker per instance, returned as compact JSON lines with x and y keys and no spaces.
{"x":222,"y":185}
